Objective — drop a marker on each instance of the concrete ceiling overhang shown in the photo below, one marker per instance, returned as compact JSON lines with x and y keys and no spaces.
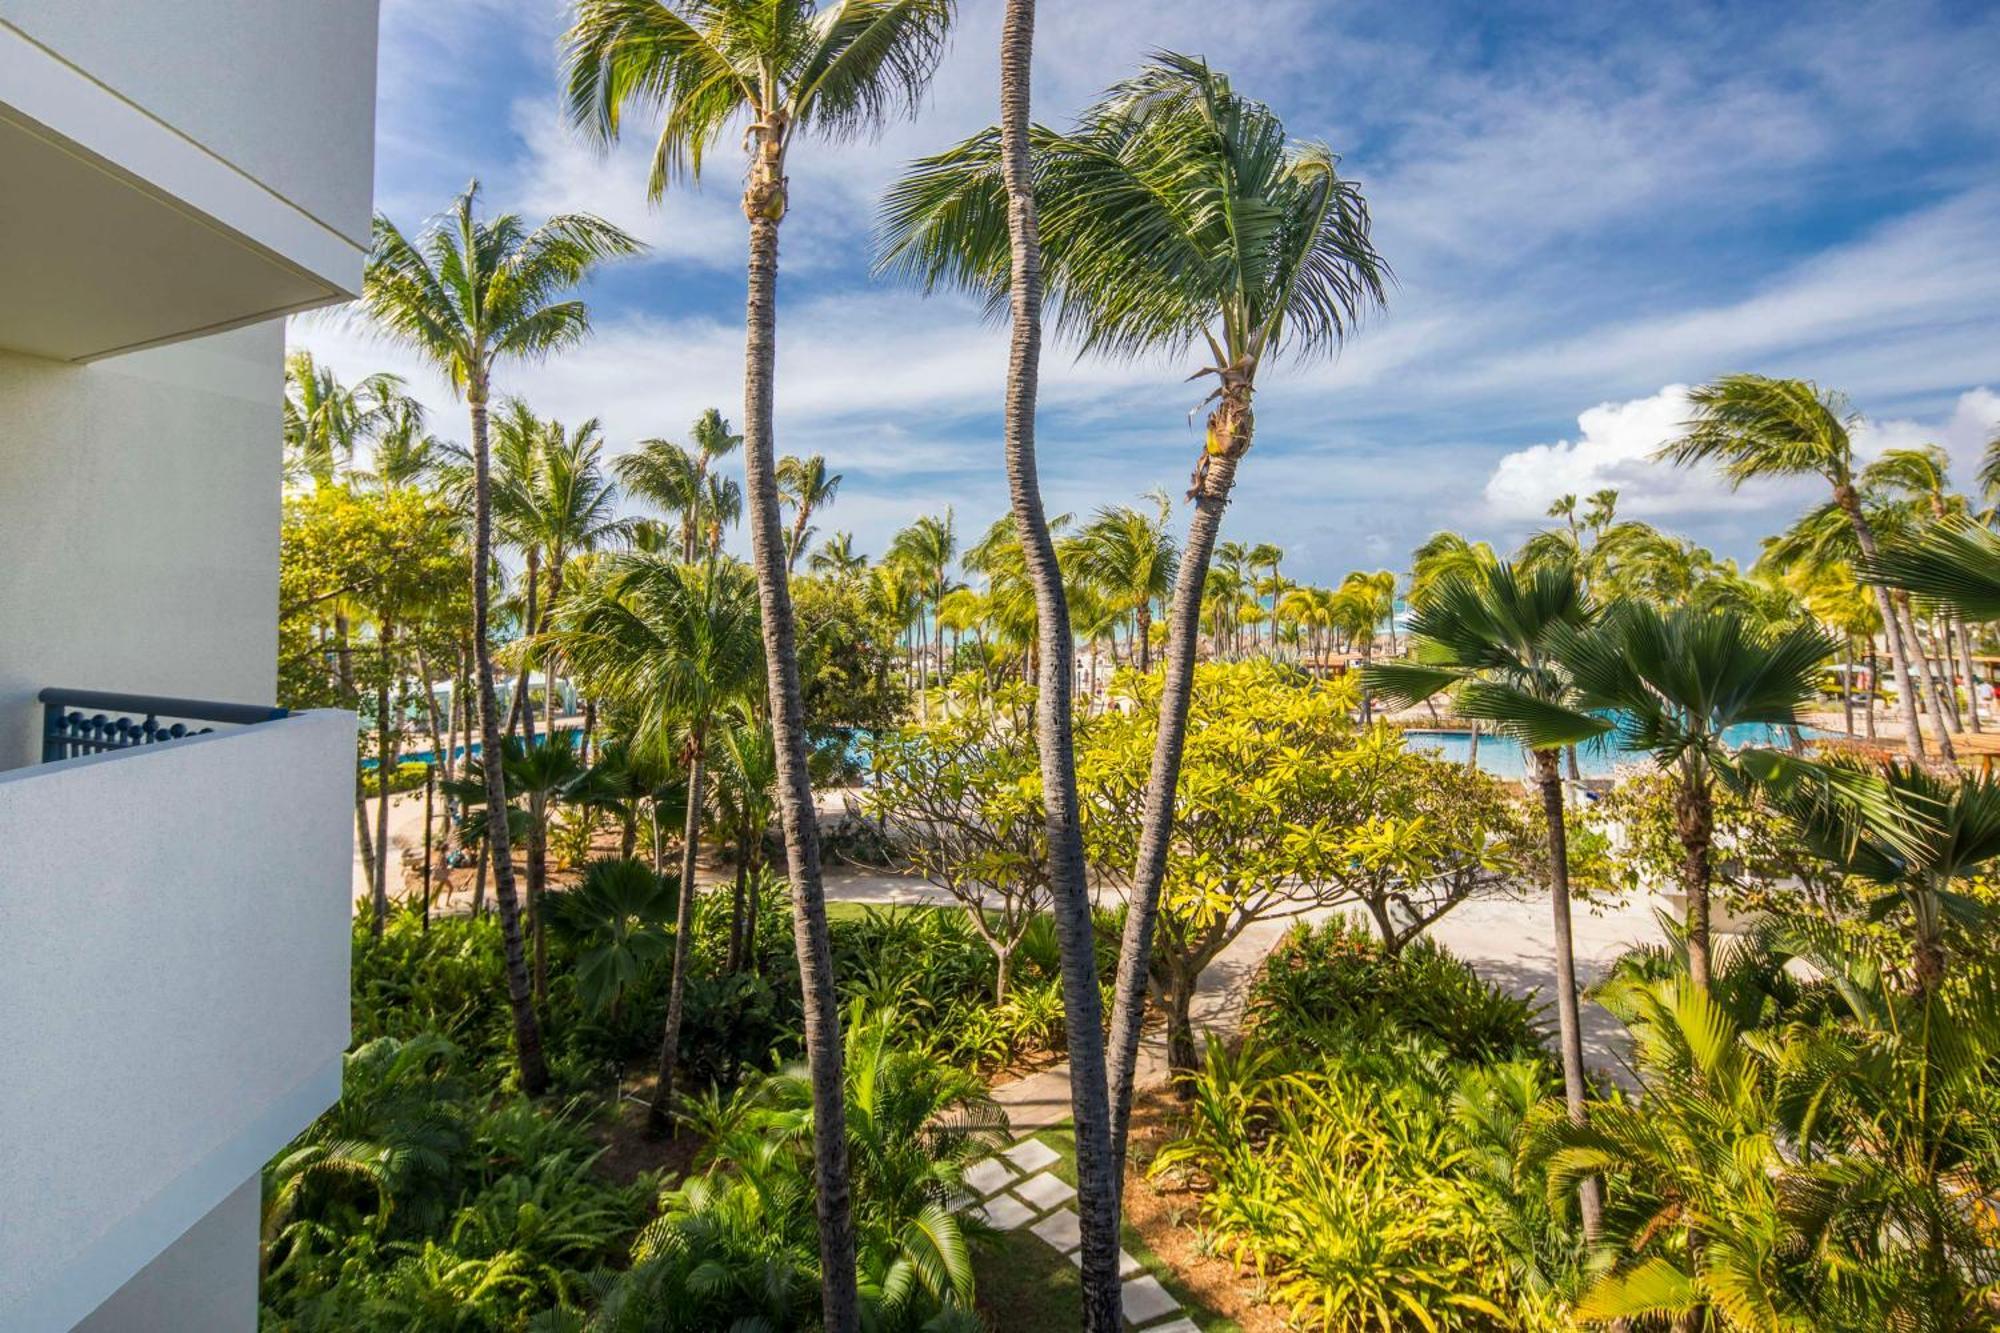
{"x":117,"y":232}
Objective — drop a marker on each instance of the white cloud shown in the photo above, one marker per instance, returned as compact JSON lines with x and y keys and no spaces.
{"x":1615,"y":443}
{"x":1613,"y":448}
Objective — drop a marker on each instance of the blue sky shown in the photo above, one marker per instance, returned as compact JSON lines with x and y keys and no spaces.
{"x":1587,"y":206}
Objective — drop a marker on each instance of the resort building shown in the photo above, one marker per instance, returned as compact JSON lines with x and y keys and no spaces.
{"x":174,"y":179}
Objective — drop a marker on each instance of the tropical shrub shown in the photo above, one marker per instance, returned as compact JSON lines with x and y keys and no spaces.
{"x":417,"y":1202}
{"x":736,"y":1246}
{"x":1357,"y":1149}
{"x":1366,"y":1191}
{"x":1333,"y":985}
{"x":1793,"y":1166}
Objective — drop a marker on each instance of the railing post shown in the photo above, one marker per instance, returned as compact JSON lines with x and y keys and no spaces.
{"x":52,"y":733}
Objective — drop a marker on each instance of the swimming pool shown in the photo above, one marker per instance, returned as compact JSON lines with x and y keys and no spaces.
{"x":1503,"y":757}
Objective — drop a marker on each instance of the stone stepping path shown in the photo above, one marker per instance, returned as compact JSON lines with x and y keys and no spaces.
{"x":1016,"y":1189}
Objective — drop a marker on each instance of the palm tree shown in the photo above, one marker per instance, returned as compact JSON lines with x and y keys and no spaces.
{"x":782,"y":67}
{"x":467,"y":295}
{"x":927,"y":549}
{"x":1443,"y":556}
{"x":1268,"y":555}
{"x":405,"y":453}
{"x":806,"y":485}
{"x":1315,"y":610}
{"x":1361,"y":604}
{"x":1924,"y":840}
{"x":837,"y":556}
{"x":1676,"y":682}
{"x":324,"y":421}
{"x":1925,"y":475}
{"x":543,"y":775}
{"x":574,"y":515}
{"x":676,"y":645}
{"x":745,"y":792}
{"x":1760,"y":427}
{"x":1489,"y":635}
{"x":1176,"y":214}
{"x":1130,"y":556}
{"x":677,"y":478}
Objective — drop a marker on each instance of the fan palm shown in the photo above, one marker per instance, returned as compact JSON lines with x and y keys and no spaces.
{"x":1920,"y":844}
{"x":782,"y":68}
{"x":806,"y":485}
{"x":620,"y":912}
{"x":1676,"y":682}
{"x":674,"y":645}
{"x":1955,"y":562}
{"x":1760,"y":427}
{"x":1175,"y":214}
{"x":543,"y":775}
{"x":1489,"y":635}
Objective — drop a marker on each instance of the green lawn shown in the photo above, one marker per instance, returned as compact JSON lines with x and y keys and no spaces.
{"x":1030,"y":1286}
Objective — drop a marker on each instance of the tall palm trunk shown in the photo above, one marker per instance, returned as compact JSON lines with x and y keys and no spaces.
{"x":538,"y":880}
{"x":1097,"y":1165}
{"x":1964,"y":636}
{"x":1229,"y":428}
{"x":660,"y":1118}
{"x":524,"y":701}
{"x":1847,"y":689}
{"x":385,"y":769}
{"x":764,"y":205}
{"x":1864,"y":537}
{"x":1934,"y":695}
{"x":548,"y":664}
{"x":1144,"y":634}
{"x":1569,"y":1022}
{"x":527,"y":1028}
{"x":1694,"y":824}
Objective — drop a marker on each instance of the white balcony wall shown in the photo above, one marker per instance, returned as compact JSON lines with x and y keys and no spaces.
{"x":176,"y":921}
{"x":139,"y":502}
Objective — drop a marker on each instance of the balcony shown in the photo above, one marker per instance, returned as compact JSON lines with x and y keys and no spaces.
{"x":176,"y":916}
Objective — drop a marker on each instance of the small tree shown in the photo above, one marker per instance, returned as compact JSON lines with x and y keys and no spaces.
{"x":963,"y":797}
{"x":1426,"y":835}
{"x":1270,"y":770}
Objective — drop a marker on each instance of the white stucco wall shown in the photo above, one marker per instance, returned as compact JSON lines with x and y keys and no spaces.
{"x":176,"y":921}
{"x":284,"y":90}
{"x":139,"y":506}
{"x":205,"y":1282}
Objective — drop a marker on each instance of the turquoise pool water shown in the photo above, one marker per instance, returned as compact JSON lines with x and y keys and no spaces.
{"x":1503,"y":757}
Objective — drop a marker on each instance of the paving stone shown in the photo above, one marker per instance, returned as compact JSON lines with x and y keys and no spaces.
{"x":1127,"y":1265}
{"x":1031,"y":1155}
{"x":1046,"y":1190}
{"x":1182,"y":1325}
{"x":1062,"y":1229}
{"x":1143,"y":1299}
{"x":988,"y":1177}
{"x":1004,"y":1212}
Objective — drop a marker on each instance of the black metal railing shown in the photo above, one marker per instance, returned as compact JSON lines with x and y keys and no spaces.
{"x":80,"y":722}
